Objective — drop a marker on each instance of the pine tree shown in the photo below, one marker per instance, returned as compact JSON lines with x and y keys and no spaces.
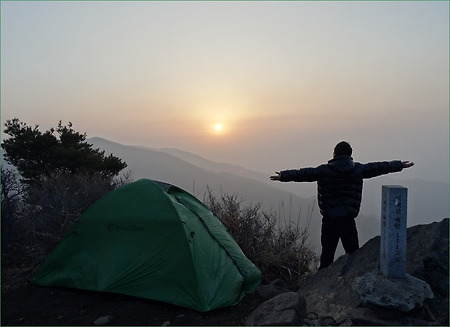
{"x":61,"y":150}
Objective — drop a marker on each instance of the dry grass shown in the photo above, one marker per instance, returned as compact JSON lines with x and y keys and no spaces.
{"x":278,"y":250}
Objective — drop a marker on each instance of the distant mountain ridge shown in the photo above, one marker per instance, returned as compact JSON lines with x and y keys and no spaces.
{"x":214,"y":166}
{"x":428,"y":201}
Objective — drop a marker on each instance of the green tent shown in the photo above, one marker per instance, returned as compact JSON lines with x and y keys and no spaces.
{"x":152,"y":240}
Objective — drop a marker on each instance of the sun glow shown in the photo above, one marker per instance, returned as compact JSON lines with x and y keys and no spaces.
{"x":218,"y":129}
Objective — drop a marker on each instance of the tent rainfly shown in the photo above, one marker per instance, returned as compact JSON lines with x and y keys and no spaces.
{"x":152,"y":240}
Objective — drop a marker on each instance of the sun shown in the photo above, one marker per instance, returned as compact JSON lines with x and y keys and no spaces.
{"x":219,"y":129}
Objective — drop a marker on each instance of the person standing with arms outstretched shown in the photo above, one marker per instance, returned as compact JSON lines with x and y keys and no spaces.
{"x":339,"y":188}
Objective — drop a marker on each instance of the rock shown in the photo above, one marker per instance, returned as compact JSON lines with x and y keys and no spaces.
{"x":404,"y":294}
{"x":428,"y":254}
{"x":371,"y":317}
{"x":331,"y":299}
{"x":103,"y":320}
{"x":329,"y":292}
{"x":279,"y":284}
{"x":267,"y":291}
{"x":275,"y":288}
{"x":286,"y":309}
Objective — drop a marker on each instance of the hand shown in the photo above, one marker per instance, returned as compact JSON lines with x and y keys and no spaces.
{"x":407,"y":164}
{"x":275,"y":177}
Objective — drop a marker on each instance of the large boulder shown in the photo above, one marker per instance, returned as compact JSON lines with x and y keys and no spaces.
{"x":330,"y":291}
{"x":332,"y":300}
{"x":403,"y":294}
{"x":286,"y":309}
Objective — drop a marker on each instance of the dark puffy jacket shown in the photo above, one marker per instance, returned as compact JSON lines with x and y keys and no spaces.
{"x":340,"y":183}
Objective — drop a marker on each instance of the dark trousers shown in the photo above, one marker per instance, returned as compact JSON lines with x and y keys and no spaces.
{"x":332,"y":231}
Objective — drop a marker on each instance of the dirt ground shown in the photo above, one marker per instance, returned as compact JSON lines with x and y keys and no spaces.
{"x":24,"y":304}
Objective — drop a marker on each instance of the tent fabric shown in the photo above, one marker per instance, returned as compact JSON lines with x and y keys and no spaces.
{"x":153,"y":240}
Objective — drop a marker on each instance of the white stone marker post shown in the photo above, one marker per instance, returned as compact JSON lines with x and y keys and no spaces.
{"x":393,"y":288}
{"x":393,"y":231}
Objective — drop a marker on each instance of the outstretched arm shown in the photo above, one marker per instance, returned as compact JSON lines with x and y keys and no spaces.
{"x":374,"y":169}
{"x":308,"y":174}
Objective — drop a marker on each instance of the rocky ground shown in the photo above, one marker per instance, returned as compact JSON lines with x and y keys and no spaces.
{"x":328,"y":297}
{"x":332,"y":292}
{"x":24,"y":304}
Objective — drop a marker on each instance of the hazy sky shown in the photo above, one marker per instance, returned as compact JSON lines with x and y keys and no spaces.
{"x":286,"y":80}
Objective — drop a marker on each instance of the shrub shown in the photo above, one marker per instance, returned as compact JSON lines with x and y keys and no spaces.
{"x":12,"y":194}
{"x":48,"y":210}
{"x":278,"y":250}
